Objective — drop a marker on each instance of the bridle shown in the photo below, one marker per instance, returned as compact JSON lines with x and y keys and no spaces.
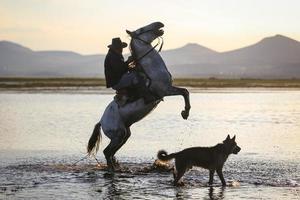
{"x":136,"y":60}
{"x":160,"y":41}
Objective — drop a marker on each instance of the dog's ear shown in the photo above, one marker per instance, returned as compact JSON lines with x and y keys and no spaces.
{"x":128,"y":32}
{"x":233,"y":139}
{"x":228,"y":137}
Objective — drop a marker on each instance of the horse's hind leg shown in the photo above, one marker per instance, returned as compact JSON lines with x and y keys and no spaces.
{"x":180,"y":170}
{"x":108,"y":157}
{"x":172,"y":91}
{"x":126,"y":135}
{"x":110,"y":150}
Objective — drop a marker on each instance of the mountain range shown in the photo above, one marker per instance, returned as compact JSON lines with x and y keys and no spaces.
{"x":272,"y":57}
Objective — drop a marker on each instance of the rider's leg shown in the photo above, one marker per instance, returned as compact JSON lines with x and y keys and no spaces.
{"x":144,"y":91}
{"x":134,"y":80}
{"x":126,"y":81}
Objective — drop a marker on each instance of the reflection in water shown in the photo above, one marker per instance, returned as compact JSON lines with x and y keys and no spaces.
{"x":215,"y":196}
{"x":112,"y":191}
{"x":182,"y":193}
{"x":214,"y":193}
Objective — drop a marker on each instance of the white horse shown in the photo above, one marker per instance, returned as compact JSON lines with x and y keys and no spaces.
{"x":116,"y":120}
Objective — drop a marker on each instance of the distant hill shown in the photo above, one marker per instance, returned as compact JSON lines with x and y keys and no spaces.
{"x":272,"y":57}
{"x":270,"y":50}
{"x":191,"y":53}
{"x":16,"y":60}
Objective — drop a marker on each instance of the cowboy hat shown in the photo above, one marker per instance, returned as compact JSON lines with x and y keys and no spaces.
{"x":117,"y":43}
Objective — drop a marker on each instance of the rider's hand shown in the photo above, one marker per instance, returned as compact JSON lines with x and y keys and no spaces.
{"x":130,"y":62}
{"x":130,"y":59}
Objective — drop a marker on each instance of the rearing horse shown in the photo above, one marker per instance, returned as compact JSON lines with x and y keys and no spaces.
{"x":116,"y":120}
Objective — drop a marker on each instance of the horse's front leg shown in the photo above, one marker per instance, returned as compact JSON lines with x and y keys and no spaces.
{"x":172,"y":91}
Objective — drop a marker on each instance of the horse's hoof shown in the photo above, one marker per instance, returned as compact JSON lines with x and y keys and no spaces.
{"x":110,"y":169}
{"x":179,"y":184}
{"x":110,"y":166}
{"x":115,"y":163}
{"x":184,"y":114}
{"x":108,"y":175}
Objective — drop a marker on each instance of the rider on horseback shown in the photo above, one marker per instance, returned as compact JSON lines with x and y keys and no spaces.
{"x":120,"y":76}
{"x":116,"y":121}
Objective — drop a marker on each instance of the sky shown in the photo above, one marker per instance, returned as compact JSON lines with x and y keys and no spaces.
{"x":87,"y":26}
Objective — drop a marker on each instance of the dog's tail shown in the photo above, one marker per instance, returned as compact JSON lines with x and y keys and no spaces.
{"x":163,"y":155}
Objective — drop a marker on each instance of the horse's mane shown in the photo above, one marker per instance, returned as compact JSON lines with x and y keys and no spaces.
{"x":131,"y":49}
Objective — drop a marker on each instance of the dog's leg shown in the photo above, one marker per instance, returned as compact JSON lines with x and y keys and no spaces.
{"x":180,"y":170}
{"x":179,"y":174}
{"x":174,"y":173}
{"x":211,"y":176}
{"x":220,"y":174}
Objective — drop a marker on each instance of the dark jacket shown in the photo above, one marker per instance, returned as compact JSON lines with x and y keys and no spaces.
{"x":114,"y":68}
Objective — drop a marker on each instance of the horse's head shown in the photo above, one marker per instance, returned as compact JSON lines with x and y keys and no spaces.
{"x":148,"y":33}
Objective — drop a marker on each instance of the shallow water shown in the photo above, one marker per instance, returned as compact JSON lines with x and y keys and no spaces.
{"x":43,"y":134}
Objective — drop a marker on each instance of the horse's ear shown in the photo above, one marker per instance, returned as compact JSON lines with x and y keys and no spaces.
{"x":128,"y":32}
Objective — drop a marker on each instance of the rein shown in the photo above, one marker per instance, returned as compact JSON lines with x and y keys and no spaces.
{"x":161,"y":42}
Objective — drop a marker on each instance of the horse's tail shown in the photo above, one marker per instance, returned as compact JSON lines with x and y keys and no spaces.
{"x":163,"y":155}
{"x":93,"y":145}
